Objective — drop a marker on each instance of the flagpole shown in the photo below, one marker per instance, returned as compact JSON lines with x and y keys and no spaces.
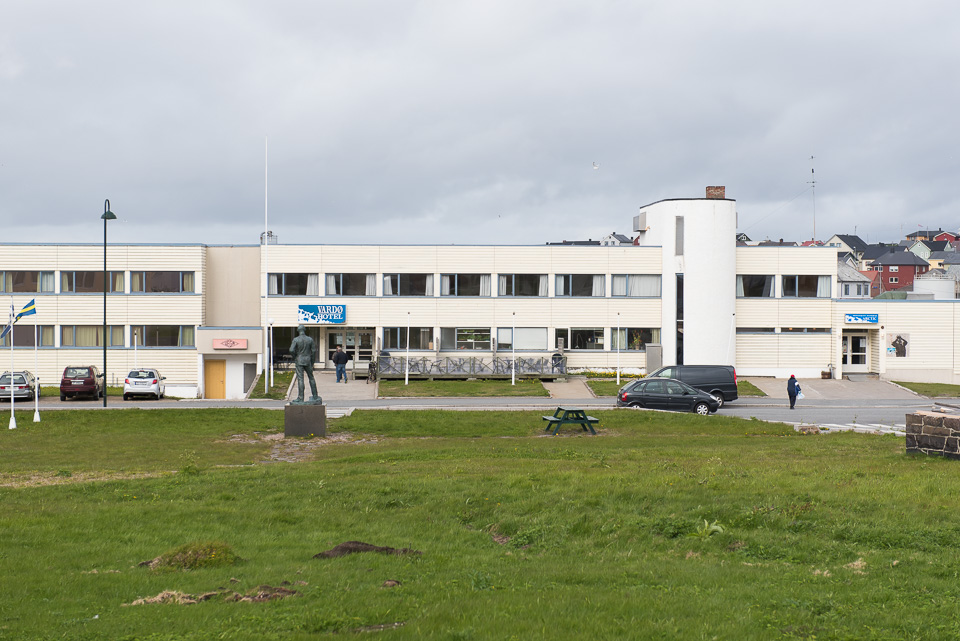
{"x":13,"y":419}
{"x":36,"y":366}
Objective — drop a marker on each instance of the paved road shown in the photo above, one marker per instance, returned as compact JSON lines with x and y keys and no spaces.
{"x":840,"y":404}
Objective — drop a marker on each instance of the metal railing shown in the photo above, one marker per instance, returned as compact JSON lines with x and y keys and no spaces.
{"x":472,"y":366}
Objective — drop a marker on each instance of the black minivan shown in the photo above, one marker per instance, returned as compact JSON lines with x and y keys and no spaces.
{"x":719,"y":380}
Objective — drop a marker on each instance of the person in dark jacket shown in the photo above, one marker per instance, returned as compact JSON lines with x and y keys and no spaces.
{"x":793,"y":388}
{"x":340,"y":359}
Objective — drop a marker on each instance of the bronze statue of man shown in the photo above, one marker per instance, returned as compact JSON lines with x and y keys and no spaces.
{"x":302,"y":349}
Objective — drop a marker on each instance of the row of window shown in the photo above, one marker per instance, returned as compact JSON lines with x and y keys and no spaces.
{"x":521,"y":338}
{"x":92,"y":336}
{"x":91,"y":282}
{"x":593,"y":285}
{"x":784,"y":330}
{"x":800,"y":286}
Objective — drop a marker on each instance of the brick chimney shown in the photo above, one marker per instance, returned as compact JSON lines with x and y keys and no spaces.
{"x":717,"y":193}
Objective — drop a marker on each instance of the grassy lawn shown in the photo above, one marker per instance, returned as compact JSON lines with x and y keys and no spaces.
{"x":746,"y":388}
{"x":480,"y":387}
{"x":606,"y":387}
{"x":281,"y":383}
{"x":932,"y":389}
{"x":665,"y":526}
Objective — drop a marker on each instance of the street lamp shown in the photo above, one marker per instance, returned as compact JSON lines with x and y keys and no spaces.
{"x":107,"y":215}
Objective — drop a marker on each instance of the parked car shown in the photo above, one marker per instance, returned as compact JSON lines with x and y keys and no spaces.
{"x":719,"y":380}
{"x":667,"y":394}
{"x":81,"y":381}
{"x":24,"y":386}
{"x":144,"y":382}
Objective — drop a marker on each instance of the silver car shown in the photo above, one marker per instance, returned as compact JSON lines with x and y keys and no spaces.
{"x":144,"y":382}
{"x":24,"y":386}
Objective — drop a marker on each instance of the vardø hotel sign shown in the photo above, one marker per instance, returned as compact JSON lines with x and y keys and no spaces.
{"x":322,"y":314}
{"x":861,"y":318}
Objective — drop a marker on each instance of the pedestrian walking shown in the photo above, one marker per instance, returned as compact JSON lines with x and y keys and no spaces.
{"x":340,"y":359}
{"x":793,"y":390}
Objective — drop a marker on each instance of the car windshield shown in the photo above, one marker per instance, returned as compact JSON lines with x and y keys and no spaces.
{"x":77,"y":372}
{"x":18,"y":379}
{"x":142,"y":373}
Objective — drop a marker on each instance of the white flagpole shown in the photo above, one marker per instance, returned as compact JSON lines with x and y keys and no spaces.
{"x":406,"y":371}
{"x":513,"y":347}
{"x":13,"y":419}
{"x":36,"y":380}
{"x":618,"y":349}
{"x":266,"y":271}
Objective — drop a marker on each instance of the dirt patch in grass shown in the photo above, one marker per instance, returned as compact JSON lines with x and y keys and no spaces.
{"x":258,"y":594}
{"x":38,"y":479}
{"x":192,"y":556}
{"x":353,"y":547}
{"x":294,"y":450}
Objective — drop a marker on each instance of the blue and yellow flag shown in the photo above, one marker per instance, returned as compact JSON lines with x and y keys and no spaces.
{"x":29,"y":308}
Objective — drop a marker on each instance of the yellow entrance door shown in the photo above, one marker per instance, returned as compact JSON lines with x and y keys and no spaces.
{"x":215,"y":379}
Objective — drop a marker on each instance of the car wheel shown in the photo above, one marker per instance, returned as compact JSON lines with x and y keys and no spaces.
{"x":126,"y":397}
{"x":63,"y":397}
{"x":719,"y":395}
{"x":701,"y":408}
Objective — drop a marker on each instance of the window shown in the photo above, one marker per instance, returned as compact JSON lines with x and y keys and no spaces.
{"x":90,"y":335}
{"x":894,"y":280}
{"x":806,"y":286}
{"x":27,"y":282}
{"x":586,"y":338}
{"x":90,"y":282}
{"x":528,"y":338}
{"x":754,"y":330}
{"x":396,"y":338}
{"x":679,"y":244}
{"x":522,"y":285}
{"x":634,"y":338}
{"x":846,"y":289}
{"x":144,"y":282}
{"x":753,"y":286}
{"x":351,"y":284}
{"x":636,"y":285}
{"x":894,"y":269}
{"x":465,"y":285}
{"x":580,"y":285}
{"x":863,"y":290}
{"x":465,"y":338}
{"x":23,"y":336}
{"x":408,"y":285}
{"x":162,"y":335}
{"x":292,"y":284}
{"x":805,"y":330}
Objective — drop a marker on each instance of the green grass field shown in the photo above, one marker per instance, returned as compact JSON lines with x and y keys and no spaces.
{"x":933,"y":390}
{"x":664,"y":526}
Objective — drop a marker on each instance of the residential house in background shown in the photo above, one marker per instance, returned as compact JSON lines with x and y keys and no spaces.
{"x":923,"y":248}
{"x":850,"y":243}
{"x":899,"y":269}
{"x":872,"y":252}
{"x":851,"y":283}
{"x":615,"y":240}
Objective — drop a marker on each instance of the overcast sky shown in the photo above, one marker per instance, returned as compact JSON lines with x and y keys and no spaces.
{"x":473,"y":122}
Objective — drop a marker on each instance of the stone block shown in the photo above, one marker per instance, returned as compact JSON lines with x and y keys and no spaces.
{"x":935,"y":443}
{"x":952,"y":445}
{"x":914,"y":419}
{"x":305,"y":420}
{"x":912,"y":443}
{"x":916,"y":428}
{"x":932,"y":430}
{"x":930,"y":420}
{"x":953,"y":422}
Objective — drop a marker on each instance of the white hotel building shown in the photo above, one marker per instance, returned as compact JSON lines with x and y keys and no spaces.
{"x":685,"y":294}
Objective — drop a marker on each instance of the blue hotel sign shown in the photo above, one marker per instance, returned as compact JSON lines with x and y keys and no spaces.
{"x":322,"y":314}
{"x":861,"y":318}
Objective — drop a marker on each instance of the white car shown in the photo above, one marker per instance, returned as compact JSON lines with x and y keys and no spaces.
{"x":144,"y":382}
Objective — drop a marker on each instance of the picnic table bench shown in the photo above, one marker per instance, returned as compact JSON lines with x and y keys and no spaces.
{"x":570,"y":416}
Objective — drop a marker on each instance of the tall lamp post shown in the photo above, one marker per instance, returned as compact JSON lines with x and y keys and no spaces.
{"x":107,"y":215}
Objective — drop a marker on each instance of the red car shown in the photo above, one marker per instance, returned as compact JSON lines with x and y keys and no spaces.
{"x":81,"y":381}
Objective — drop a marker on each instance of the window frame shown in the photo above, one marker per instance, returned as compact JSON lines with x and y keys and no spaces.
{"x":339,"y":277}
{"x":771,"y":279}
{"x":141,"y":330}
{"x":114,"y":331}
{"x":796,"y":285}
{"x":181,"y":275}
{"x":462,"y":342}
{"x":455,"y":285}
{"x":400,"y":283}
{"x":50,"y":329}
{"x":111,"y":277}
{"x":513,"y":285}
{"x":634,"y":343}
{"x":629,"y":277}
{"x":569,"y":285}
{"x":596,"y":331}
{"x":401,"y":338}
{"x":7,"y":285}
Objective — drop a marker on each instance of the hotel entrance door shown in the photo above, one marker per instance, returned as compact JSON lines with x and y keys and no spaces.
{"x":357,"y":343}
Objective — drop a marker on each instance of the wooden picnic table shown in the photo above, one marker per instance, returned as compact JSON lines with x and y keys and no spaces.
{"x":570,"y":416}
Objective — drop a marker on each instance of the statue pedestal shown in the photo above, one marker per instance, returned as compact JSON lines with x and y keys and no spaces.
{"x":305,"y":420}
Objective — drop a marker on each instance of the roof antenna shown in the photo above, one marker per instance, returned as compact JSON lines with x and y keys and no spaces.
{"x":813,"y":186}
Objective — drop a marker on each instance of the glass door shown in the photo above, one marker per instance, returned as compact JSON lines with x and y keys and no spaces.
{"x":854,"y":356}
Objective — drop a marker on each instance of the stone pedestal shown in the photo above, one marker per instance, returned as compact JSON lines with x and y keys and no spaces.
{"x":305,"y":420}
